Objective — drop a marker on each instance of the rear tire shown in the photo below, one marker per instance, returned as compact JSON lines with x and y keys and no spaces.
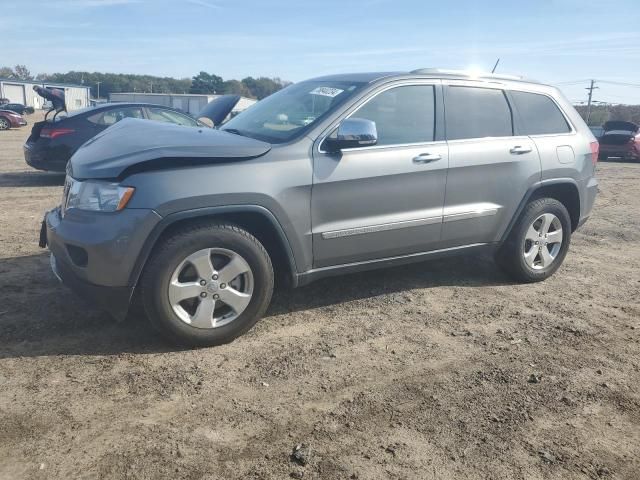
{"x":538,"y":243}
{"x":185,"y":284}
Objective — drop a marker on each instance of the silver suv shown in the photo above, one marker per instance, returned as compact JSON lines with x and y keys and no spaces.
{"x":328,"y":176}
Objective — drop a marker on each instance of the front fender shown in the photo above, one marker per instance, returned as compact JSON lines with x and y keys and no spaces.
{"x":204,"y":212}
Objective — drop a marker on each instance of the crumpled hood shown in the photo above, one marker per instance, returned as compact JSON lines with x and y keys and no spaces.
{"x":146,"y":144}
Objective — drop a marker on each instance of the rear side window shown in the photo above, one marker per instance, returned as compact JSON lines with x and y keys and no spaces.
{"x":473,"y":112}
{"x":539,"y":114}
{"x":115,"y":115}
{"x":402,"y":115}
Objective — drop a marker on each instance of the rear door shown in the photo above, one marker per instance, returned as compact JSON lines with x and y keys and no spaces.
{"x":490,"y":165}
{"x":558,"y":146}
{"x":384,"y":200}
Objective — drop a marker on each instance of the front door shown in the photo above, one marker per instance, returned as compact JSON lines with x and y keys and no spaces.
{"x":385,"y":200}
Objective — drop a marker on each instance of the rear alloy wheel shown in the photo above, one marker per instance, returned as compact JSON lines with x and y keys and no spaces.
{"x":207,"y":284}
{"x":543,"y":241}
{"x":4,"y":124}
{"x":538,"y":243}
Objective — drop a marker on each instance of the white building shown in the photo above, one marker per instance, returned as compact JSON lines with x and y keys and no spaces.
{"x":21,"y":91}
{"x":187,"y":102}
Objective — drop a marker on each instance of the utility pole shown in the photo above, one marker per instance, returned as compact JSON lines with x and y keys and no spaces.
{"x":591,"y":88}
{"x":98,"y":96}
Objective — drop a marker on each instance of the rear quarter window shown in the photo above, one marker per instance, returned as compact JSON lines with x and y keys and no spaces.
{"x":539,"y":114}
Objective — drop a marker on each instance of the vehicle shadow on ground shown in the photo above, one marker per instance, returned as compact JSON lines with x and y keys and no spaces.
{"x":31,"y":179}
{"x":41,"y":317}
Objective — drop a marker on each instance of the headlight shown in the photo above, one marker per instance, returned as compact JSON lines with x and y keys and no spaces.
{"x":96,"y":196}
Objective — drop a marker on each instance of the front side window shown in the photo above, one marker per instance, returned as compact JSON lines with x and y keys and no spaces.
{"x":402,"y":115}
{"x":292,"y":111}
{"x":473,"y":112}
{"x":539,"y":114}
{"x":162,"y":115}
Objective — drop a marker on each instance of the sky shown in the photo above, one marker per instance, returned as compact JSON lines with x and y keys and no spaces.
{"x":562,"y":42}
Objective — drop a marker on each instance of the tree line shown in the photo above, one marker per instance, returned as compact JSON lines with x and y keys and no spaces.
{"x":106,"y":83}
{"x":602,"y":113}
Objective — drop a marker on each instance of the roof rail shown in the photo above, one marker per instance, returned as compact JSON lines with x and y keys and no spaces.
{"x":465,"y":73}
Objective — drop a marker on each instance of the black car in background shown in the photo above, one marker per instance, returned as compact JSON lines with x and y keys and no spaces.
{"x":53,"y":141}
{"x":18,"y":108}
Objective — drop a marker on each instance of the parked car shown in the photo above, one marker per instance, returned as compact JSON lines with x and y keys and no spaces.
{"x":18,"y":108}
{"x":332,"y":175}
{"x":52,"y":142}
{"x":597,"y":131}
{"x":620,"y":139}
{"x":10,"y":119}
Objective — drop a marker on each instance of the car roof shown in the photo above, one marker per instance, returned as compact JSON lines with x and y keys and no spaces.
{"x":373,"y":77}
{"x":104,"y":106}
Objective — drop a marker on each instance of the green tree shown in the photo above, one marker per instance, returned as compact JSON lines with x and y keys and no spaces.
{"x":206,"y":83}
{"x":22,"y":72}
{"x":262,"y":87}
{"x":6,"y":72}
{"x":235,"y":87}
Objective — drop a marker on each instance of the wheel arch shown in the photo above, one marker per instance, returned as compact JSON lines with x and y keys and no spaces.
{"x":564,"y":190}
{"x":257,"y":220}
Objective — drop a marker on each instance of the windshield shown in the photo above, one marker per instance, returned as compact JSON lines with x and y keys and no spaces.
{"x":290,"y":112}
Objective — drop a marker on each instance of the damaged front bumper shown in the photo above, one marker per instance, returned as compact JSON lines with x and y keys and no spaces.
{"x":94,"y":253}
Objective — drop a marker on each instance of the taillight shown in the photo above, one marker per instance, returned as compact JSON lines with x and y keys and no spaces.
{"x":595,"y":149}
{"x":55,"y":132}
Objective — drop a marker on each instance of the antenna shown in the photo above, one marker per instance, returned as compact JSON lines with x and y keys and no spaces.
{"x":495,"y":66}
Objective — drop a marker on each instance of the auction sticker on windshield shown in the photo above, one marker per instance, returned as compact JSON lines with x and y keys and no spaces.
{"x":326,"y":91}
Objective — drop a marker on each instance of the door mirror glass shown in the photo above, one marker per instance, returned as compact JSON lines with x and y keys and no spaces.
{"x":352,"y":133}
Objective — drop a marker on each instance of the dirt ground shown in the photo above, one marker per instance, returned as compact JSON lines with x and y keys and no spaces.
{"x":443,"y":370}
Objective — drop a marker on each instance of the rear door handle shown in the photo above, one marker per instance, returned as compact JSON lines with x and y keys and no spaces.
{"x":518,"y":150}
{"x":426,"y":158}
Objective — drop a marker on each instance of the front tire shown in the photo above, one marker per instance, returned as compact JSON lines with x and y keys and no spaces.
{"x":207,"y":285}
{"x":4,"y":124}
{"x":538,"y":243}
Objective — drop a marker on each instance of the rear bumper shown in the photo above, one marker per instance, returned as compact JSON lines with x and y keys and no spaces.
{"x":589,"y":193}
{"x":36,"y":157}
{"x":94,"y":253}
{"x":622,"y":151}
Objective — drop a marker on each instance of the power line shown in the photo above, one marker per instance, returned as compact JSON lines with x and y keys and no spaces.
{"x":612,"y":82}
{"x":634,"y":85}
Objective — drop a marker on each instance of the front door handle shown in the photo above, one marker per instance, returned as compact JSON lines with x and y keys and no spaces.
{"x":518,"y":150}
{"x":426,"y":158}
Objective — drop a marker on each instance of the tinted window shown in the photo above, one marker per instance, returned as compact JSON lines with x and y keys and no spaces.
{"x":161,"y":115}
{"x":539,"y":114}
{"x":402,"y":115}
{"x":476,"y":113}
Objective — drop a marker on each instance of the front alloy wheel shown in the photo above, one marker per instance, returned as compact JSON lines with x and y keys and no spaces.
{"x":211,"y":288}
{"x":206,"y":284}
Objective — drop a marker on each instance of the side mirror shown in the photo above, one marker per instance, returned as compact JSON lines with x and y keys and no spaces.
{"x":352,"y":133}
